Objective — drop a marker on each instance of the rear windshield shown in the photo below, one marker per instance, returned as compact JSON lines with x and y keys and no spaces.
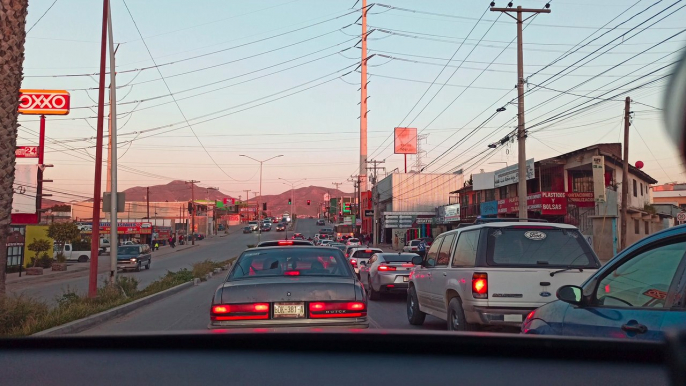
{"x":365,"y":253}
{"x":354,"y":240}
{"x":414,"y":242}
{"x":127,"y":250}
{"x":399,"y":258}
{"x":291,"y":262}
{"x":539,"y":247}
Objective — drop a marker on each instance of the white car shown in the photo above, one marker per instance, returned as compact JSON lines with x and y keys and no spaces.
{"x":360,"y":256}
{"x":352,"y":241}
{"x":413,"y":246}
{"x":495,"y":273}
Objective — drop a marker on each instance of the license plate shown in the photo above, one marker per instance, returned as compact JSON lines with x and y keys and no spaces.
{"x":512,"y":318}
{"x":289,"y":310}
{"x":406,"y":278}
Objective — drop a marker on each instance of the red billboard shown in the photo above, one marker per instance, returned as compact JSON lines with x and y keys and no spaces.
{"x":125,"y":228}
{"x":26,"y":152}
{"x":405,"y":140}
{"x":548,"y":203}
{"x":44,"y":102}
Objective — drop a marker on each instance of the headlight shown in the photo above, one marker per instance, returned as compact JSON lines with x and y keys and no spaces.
{"x":133,"y":260}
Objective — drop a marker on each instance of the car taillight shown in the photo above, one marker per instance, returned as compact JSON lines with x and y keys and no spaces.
{"x":353,"y":262}
{"x":530,"y":316}
{"x":368,"y":251}
{"x":337,"y":310}
{"x":247,"y":311}
{"x":386,"y":268}
{"x":346,"y":255}
{"x":292,"y":273}
{"x":285,"y":242}
{"x":480,"y":285}
{"x":407,"y":265}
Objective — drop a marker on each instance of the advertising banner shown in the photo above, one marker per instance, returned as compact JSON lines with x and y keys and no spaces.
{"x":510,"y":174}
{"x":582,"y":199}
{"x":452,"y":213}
{"x":405,"y":140}
{"x":24,"y":189}
{"x":26,"y":152}
{"x":598,"y":165}
{"x":489,"y":208}
{"x":123,"y":228}
{"x":548,"y":203}
{"x":44,"y":102}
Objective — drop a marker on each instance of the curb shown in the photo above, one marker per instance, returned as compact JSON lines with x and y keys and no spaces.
{"x":50,"y":275}
{"x":90,"y":321}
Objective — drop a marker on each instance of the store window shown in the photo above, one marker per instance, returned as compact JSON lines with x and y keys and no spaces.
{"x":14,"y":256}
{"x":552,"y":179}
{"x":489,"y":195}
{"x":637,"y":228}
{"x":502,"y":192}
{"x":647,"y":227}
{"x":641,"y":188}
{"x":582,"y":180}
{"x":635,"y":190}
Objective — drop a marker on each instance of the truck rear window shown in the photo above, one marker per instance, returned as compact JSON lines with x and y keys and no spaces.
{"x":539,"y":247}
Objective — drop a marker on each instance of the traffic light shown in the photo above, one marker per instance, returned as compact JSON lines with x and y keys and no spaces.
{"x":190,"y":207}
{"x":289,"y":201}
{"x":264,"y":206}
{"x":308,"y":202}
{"x":346,"y":207}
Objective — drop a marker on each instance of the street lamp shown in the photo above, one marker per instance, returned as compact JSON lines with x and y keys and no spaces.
{"x":259,"y":225}
{"x":292,"y":184}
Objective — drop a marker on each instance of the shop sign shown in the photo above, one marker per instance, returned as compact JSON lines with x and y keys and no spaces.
{"x":489,"y":208}
{"x":15,"y":239}
{"x":582,"y":199}
{"x":548,"y":203}
{"x":510,"y":174}
{"x":508,"y":205}
{"x":123,"y":228}
{"x":44,"y":102}
{"x":452,"y":212}
{"x":424,"y":220}
{"x":26,"y":152}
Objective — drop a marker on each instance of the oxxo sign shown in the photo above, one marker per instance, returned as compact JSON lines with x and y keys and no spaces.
{"x":44,"y":102}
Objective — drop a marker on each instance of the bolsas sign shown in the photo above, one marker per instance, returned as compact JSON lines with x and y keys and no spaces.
{"x":44,"y":102}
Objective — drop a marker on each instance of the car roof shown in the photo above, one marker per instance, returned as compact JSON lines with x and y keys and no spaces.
{"x":389,"y":254}
{"x":357,"y":247}
{"x":276,"y":243}
{"x":503,"y":224}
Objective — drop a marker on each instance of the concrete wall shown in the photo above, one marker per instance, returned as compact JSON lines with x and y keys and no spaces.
{"x":602,"y":237}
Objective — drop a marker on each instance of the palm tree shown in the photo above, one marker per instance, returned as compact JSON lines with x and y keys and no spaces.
{"x":12,"y":38}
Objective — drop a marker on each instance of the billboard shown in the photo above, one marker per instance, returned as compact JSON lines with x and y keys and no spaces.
{"x":24,"y":189}
{"x":44,"y":102}
{"x":123,"y":228}
{"x":510,"y":175}
{"x":405,"y":140}
{"x":452,"y":212}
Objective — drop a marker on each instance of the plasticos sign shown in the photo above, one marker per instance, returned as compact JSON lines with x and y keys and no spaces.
{"x":548,"y":203}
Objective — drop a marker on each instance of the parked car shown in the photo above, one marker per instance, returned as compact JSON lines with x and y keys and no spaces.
{"x":385,"y":273}
{"x":134,"y":257}
{"x":412,"y":246}
{"x":247,"y":229}
{"x":361,"y":255}
{"x":637,"y":295}
{"x":495,"y":273}
{"x":74,"y":253}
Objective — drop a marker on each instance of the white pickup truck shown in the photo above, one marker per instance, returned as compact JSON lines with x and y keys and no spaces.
{"x":72,"y":255}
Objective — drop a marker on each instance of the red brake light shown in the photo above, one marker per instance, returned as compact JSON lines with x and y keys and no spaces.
{"x":368,"y":251}
{"x":337,"y":310}
{"x":247,"y":311}
{"x":480,"y":285}
{"x":285,"y":242}
{"x":530,"y":315}
{"x":386,"y":268}
{"x":292,"y":273}
{"x":408,"y":265}
{"x":353,"y":262}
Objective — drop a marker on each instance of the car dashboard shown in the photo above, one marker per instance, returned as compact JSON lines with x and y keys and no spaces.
{"x":284,"y":357}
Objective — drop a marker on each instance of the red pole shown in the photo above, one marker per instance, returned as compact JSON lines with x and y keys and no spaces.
{"x":41,"y":140}
{"x":41,"y":154}
{"x":95,"y":240}
{"x":405,"y":163}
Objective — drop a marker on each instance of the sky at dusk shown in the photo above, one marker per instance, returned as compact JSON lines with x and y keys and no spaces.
{"x":279,"y":77}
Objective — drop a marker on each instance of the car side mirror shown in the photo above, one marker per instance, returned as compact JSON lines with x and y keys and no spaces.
{"x":417,"y":260}
{"x":571,"y":294}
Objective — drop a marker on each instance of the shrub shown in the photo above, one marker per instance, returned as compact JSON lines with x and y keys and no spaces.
{"x":40,"y":247}
{"x":251,"y":245}
{"x":44,"y":261}
{"x":18,"y":310}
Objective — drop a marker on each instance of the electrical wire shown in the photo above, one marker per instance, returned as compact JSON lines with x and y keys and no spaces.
{"x":41,"y":17}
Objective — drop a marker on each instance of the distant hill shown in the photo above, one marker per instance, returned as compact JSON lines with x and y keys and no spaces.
{"x":277,"y":204}
{"x":173,"y":191}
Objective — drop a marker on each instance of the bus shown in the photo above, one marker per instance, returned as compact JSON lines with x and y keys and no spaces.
{"x":343,"y":231}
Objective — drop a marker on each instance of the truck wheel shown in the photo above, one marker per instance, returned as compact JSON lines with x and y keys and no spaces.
{"x":138,"y":267}
{"x":414,"y":315}
{"x":82,"y":259}
{"x":456,"y":318}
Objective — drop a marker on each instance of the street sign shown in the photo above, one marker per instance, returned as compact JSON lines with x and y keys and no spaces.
{"x":44,"y":102}
{"x":369,"y":213}
{"x":26,"y":152}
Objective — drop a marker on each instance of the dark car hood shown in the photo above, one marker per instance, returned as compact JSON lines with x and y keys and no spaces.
{"x":126,"y":257}
{"x":276,"y":289}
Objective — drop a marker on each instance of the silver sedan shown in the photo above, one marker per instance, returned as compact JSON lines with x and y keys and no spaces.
{"x":295,"y":286}
{"x":386,"y":272}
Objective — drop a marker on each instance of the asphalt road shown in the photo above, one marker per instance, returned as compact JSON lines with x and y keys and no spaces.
{"x":216,"y":249}
{"x":189,"y":309}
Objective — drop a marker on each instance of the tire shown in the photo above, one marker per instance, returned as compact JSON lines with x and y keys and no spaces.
{"x":456,"y":319}
{"x":147,"y":266}
{"x":82,"y":259}
{"x":414,"y":315}
{"x":138,"y":267}
{"x":373,"y":295}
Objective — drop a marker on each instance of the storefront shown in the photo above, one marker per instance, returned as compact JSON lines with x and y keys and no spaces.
{"x":15,"y":247}
{"x":137,"y":232}
{"x":551,"y":206}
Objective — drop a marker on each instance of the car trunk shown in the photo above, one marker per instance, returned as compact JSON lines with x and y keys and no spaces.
{"x":277,"y":289}
{"x":522,"y":287}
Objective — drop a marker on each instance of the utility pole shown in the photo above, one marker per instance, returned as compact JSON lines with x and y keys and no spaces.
{"x":97,"y":180}
{"x":247,"y":198}
{"x":521,"y":130}
{"x":112,"y":156}
{"x":625,"y":172}
{"x":147,"y":201}
{"x":340,"y":199}
{"x":375,"y":202}
{"x":192,"y":182}
{"x":363,"y":98}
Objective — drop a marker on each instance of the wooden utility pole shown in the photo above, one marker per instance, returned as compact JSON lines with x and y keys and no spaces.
{"x":192,"y":182}
{"x":340,"y":199}
{"x":521,"y":130}
{"x":247,"y":198}
{"x":147,"y":201}
{"x":375,"y":202}
{"x":625,"y":173}
{"x":363,"y":99}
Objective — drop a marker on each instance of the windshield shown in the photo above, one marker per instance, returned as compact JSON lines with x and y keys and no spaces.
{"x":526,"y":246}
{"x":404,"y":258}
{"x":290,"y":263}
{"x":127,"y":250}
{"x":416,"y":127}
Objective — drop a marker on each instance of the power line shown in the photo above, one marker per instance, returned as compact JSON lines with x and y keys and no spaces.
{"x":41,"y":17}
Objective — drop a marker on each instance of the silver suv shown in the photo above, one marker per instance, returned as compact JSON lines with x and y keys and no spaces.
{"x":495,"y":273}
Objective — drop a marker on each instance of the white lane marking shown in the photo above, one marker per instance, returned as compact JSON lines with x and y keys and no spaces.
{"x":373,"y":322}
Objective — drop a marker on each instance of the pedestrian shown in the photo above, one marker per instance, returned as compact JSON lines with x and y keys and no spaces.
{"x":421,"y":248}
{"x":157,"y":245}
